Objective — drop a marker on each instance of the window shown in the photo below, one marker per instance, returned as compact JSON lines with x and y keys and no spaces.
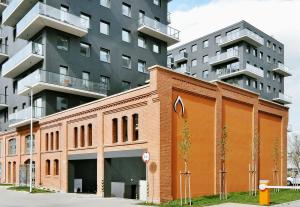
{"x":254,"y":84}
{"x":85,"y":79}
{"x":56,"y":167}
{"x":205,"y":74}
{"x":194,"y":48}
{"x":28,"y":144}
{"x":194,"y":63}
{"x":135,"y":127}
{"x":156,"y":2}
{"x":126,"y":61}
{"x":12,"y":147}
{"x":274,"y":77}
{"x":57,"y":140}
{"x":75,"y":137}
{"x":218,"y":53}
{"x":47,"y":167}
{"x":141,"y":42}
{"x":0,"y":151}
{"x":142,"y":66}
{"x":218,"y":39}
{"x":47,"y":142}
{"x":51,"y":141}
{"x":104,"y":81}
{"x":0,"y":169}
{"x":104,"y":55}
{"x":274,"y":47}
{"x":268,"y":59}
{"x":105,"y":3}
{"x":269,"y":89}
{"x":274,"y":61}
{"x":82,"y":141}
{"x":62,"y":43}
{"x":279,"y":50}
{"x":247,"y":82}
{"x":85,"y":20}
{"x":126,"y":85}
{"x":254,"y":51}
{"x":261,"y":86}
{"x":115,"y":130}
{"x":61,"y":104}
{"x":85,"y":49}
{"x":205,"y":59}
{"x":156,"y":48}
{"x":248,"y":49}
{"x":15,"y":86}
{"x":205,"y":43}
{"x":126,"y":10}
{"x":104,"y":27}
{"x":268,"y":43}
{"x":268,"y":74}
{"x":182,"y":51}
{"x":261,"y":55}
{"x":126,"y":37}
{"x":125,"y":128}
{"x":90,"y":135}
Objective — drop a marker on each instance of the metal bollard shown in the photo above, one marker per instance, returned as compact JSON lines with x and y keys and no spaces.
{"x":264,"y":193}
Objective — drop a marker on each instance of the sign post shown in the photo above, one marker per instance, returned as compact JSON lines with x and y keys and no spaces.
{"x":146,"y":159}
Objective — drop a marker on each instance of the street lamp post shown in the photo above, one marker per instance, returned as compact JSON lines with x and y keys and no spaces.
{"x":31,"y":138}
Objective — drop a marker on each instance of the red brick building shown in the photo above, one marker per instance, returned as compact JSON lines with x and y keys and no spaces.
{"x":102,"y":142}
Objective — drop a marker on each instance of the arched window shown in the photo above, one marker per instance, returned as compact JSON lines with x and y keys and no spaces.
{"x":47,"y":142}
{"x":12,"y":147}
{"x":82,"y":136}
{"x":27,"y":144}
{"x":115,"y":130}
{"x":135,"y":127}
{"x":75,"y":137}
{"x":125,"y":128}
{"x":90,"y":135}
{"x":47,"y":167}
{"x":51,"y":141}
{"x":57,"y":140}
{"x":56,"y":167}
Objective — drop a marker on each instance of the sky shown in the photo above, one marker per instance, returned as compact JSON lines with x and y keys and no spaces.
{"x":278,"y":18}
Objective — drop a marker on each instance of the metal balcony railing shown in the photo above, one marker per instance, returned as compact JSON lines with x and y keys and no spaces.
{"x":25,"y":114}
{"x":42,"y":76}
{"x":240,"y":34}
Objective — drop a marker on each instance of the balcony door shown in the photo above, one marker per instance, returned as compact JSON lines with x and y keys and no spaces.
{"x":63,"y":78}
{"x":38,"y":108}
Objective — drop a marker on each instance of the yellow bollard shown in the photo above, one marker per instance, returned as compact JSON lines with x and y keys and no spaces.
{"x":264,"y":193}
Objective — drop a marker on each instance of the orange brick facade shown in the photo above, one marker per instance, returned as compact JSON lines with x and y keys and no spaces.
{"x":208,"y":108}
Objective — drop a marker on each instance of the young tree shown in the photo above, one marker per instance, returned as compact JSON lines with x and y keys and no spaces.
{"x":185,"y":144}
{"x":294,"y":151}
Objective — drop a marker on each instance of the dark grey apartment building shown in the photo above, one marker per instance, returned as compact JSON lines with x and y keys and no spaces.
{"x":239,"y":54}
{"x":69,"y":52}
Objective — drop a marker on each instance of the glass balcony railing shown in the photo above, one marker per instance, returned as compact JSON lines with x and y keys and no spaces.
{"x":3,"y":49}
{"x":249,"y":70}
{"x":283,"y":98}
{"x":24,"y":115}
{"x":241,"y":34}
{"x":224,"y":57}
{"x":169,"y":18}
{"x":15,"y":62}
{"x":282,"y":69}
{"x":42,"y":76}
{"x":182,"y":56}
{"x":52,"y":13}
{"x":157,"y":27}
{"x":3,"y":99}
{"x":183,"y":69}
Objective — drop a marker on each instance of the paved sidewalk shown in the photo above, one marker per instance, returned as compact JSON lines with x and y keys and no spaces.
{"x":233,"y":205}
{"x":23,"y":199}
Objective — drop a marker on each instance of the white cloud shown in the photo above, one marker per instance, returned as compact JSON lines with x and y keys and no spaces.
{"x":278,"y":18}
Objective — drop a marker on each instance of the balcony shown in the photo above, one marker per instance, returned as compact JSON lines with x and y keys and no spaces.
{"x":15,"y":10}
{"x":283,"y":98}
{"x":3,"y":53}
{"x":183,"y":70}
{"x":170,"y":62}
{"x":158,"y":30}
{"x":169,"y":18}
{"x":30,"y":55}
{"x":22,"y":117}
{"x":224,"y":57}
{"x":242,"y":35}
{"x":41,"y":80}
{"x":3,"y":101}
{"x":181,"y":57}
{"x":249,"y":70}
{"x":3,"y":5}
{"x":42,"y":15}
{"x":282,"y":70}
